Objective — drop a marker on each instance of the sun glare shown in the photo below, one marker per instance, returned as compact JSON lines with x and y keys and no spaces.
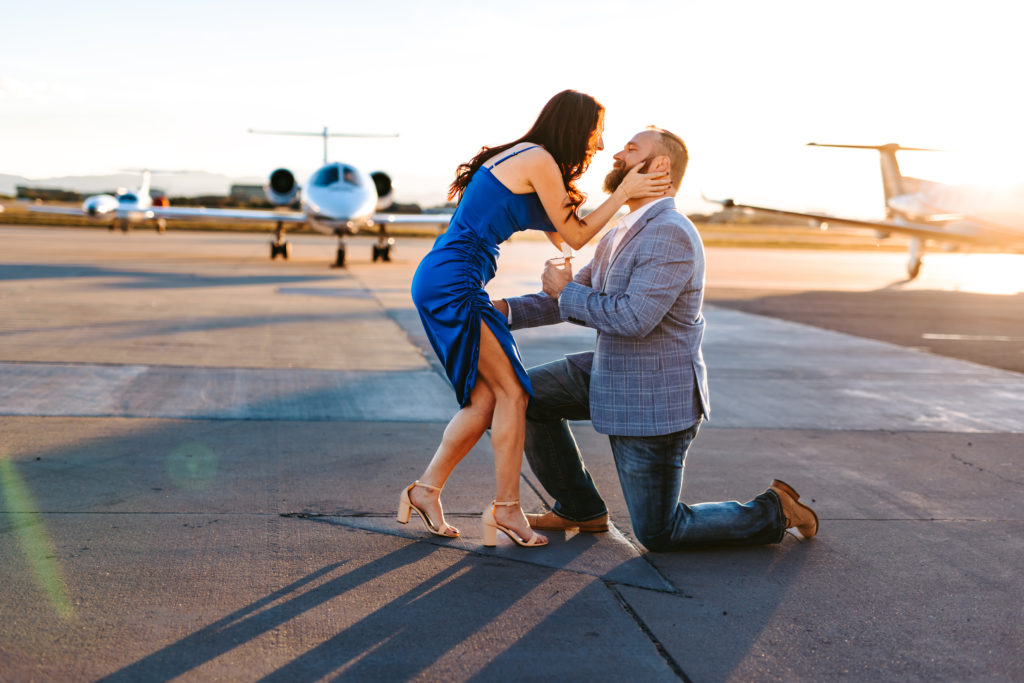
{"x":989,"y":273}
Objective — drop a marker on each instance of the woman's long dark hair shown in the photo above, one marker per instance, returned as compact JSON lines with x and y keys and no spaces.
{"x":565,"y":128}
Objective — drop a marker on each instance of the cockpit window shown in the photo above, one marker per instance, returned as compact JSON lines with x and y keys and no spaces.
{"x":335,"y":173}
{"x":328,"y":175}
{"x":127,"y":197}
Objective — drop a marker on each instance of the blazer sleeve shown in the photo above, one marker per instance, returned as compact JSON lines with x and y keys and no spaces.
{"x":534,"y":310}
{"x":662,"y":267}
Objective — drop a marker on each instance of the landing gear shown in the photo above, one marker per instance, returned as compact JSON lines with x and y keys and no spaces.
{"x":279,"y":247}
{"x":382,"y":249}
{"x":913,"y":268}
{"x":916,"y":250}
{"x":161,"y":226}
{"x":282,"y":249}
{"x":340,"y":232}
{"x":340,"y":260}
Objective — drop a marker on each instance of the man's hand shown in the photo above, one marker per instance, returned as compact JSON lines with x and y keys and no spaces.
{"x":556,"y":276}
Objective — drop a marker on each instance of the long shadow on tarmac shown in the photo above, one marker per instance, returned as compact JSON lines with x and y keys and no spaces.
{"x":398,"y":640}
{"x":147,"y":328}
{"x":464,"y":607}
{"x":143,"y":279}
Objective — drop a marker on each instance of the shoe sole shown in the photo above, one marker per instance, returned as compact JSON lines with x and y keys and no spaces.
{"x":591,"y":529}
{"x":584,"y":529}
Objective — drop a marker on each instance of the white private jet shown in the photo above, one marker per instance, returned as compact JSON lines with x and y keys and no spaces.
{"x":925,"y":210}
{"x":123,"y":209}
{"x":338,"y":199}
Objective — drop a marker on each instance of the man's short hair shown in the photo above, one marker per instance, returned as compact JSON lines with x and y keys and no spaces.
{"x":675,"y":149}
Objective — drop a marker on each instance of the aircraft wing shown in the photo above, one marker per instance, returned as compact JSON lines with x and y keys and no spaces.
{"x":60,"y":210}
{"x":920,"y":230}
{"x":226,"y":215}
{"x":438,"y":219}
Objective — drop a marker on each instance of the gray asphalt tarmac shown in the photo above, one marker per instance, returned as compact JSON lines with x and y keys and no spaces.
{"x":201,"y":453}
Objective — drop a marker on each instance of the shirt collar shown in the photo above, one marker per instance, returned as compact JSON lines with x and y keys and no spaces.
{"x":630,"y":219}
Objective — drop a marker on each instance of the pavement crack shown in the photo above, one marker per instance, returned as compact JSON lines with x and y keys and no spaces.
{"x":978,"y":468}
{"x":642,"y":625}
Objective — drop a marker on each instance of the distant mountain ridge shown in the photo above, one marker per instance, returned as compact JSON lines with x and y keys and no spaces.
{"x":185,"y":184}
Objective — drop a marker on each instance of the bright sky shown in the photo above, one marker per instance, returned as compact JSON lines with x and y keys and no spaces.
{"x":90,"y":88}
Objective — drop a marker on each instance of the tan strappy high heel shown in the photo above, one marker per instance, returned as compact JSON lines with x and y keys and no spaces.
{"x":406,"y":506}
{"x":491,"y":527}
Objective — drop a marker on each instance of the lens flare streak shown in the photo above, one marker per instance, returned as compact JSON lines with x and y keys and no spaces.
{"x":33,"y":537}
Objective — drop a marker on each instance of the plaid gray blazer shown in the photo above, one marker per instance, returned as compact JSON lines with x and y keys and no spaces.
{"x":647,"y":372}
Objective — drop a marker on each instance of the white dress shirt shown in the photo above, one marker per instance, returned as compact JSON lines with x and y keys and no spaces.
{"x":627,"y":222}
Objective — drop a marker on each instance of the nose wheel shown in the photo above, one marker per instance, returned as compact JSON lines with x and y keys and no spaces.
{"x":916,"y":251}
{"x":339,"y":259}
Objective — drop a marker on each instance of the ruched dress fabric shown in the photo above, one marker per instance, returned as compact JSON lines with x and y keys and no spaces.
{"x":448,"y":287}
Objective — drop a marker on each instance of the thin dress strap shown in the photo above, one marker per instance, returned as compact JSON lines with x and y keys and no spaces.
{"x":509,"y":156}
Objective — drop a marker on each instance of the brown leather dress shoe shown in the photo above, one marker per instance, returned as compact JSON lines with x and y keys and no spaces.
{"x":796,"y":513}
{"x":549,"y":521}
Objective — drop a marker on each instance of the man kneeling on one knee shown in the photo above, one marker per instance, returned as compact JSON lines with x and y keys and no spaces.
{"x":645,"y":384}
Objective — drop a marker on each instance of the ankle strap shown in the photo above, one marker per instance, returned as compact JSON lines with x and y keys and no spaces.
{"x":505,"y":502}
{"x":427,"y":486}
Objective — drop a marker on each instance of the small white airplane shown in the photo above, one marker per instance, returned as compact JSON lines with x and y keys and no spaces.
{"x":338,"y":199}
{"x":924,"y":210}
{"x":123,"y":209}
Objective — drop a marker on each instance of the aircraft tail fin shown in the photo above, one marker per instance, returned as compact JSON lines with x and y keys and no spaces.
{"x":892,"y":178}
{"x":324,"y":134}
{"x":144,"y":186}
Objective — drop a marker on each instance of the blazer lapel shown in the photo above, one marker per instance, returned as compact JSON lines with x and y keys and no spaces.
{"x":637,"y":227}
{"x":600,"y":268}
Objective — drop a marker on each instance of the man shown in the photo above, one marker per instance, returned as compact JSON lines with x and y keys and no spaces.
{"x":645,"y":384}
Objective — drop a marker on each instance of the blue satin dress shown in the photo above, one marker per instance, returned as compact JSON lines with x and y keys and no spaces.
{"x":448,"y":287}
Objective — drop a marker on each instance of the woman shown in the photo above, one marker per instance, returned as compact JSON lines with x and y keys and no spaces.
{"x":526,"y":184}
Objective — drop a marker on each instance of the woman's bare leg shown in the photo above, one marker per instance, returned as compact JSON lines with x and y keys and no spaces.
{"x":462,"y":433}
{"x":508,"y":428}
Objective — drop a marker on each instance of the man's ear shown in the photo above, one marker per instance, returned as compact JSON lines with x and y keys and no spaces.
{"x":661,"y":163}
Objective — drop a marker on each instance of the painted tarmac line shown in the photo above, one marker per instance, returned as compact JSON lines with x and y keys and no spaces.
{"x":147,"y":391}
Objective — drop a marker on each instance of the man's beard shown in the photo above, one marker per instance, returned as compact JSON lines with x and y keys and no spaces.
{"x":619,"y":172}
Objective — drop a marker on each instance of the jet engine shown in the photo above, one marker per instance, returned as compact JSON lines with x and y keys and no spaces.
{"x":385,"y":192}
{"x":281,"y":188}
{"x":99,"y":205}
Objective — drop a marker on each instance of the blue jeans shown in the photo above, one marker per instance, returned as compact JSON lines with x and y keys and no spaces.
{"x":650,"y":471}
